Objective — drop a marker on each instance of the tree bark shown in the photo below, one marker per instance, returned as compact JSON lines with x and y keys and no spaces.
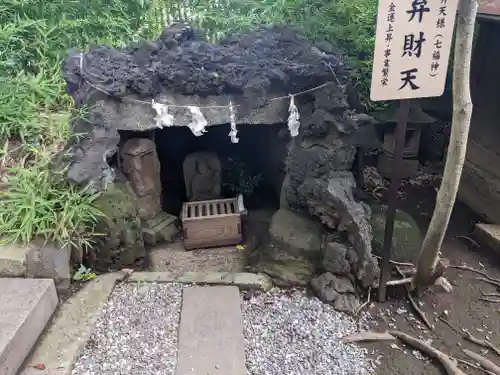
{"x":462,"y":112}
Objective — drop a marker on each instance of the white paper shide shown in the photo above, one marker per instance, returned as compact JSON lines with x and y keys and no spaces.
{"x":233,"y":133}
{"x":198,"y":121}
{"x":293,"y":118}
{"x":163,"y":118}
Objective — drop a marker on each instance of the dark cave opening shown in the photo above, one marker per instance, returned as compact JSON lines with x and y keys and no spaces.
{"x":254,"y":167}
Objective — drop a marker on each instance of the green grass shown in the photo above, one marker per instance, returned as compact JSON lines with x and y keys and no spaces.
{"x":34,"y":108}
{"x":40,"y":203}
{"x":34,"y":38}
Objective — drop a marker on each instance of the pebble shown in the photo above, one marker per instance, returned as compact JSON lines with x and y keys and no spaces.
{"x":286,"y":332}
{"x":290,"y":332}
{"x":136,"y":332}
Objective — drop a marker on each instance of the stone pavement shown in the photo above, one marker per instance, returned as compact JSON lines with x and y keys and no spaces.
{"x":211,"y":332}
{"x":489,"y":234}
{"x":210,"y":327}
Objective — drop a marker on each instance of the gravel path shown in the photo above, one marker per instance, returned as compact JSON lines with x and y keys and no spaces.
{"x":136,"y":333}
{"x":288,"y":332}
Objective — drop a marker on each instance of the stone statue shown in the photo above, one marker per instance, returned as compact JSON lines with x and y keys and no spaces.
{"x":202,"y":176}
{"x":141,"y":165}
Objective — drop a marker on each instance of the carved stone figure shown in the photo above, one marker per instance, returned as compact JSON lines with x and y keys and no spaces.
{"x":202,"y":176}
{"x":141,"y":165}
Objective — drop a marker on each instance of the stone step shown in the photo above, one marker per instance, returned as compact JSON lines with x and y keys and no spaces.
{"x":211,"y":332}
{"x":26,"y":305}
{"x":162,"y":220}
{"x":162,"y":228}
{"x":488,"y":234}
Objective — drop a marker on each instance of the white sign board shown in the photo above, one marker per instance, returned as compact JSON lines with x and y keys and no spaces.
{"x":412,"y":48}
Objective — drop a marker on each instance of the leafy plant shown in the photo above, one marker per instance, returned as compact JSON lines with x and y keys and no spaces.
{"x":34,"y":108}
{"x":34,"y":38}
{"x":39,"y":202}
{"x":238,"y":180}
{"x":84,"y":274}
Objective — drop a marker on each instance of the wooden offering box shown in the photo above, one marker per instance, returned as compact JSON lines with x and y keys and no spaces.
{"x":211,"y":223}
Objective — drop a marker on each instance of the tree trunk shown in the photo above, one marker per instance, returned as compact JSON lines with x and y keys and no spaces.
{"x":462,"y":112}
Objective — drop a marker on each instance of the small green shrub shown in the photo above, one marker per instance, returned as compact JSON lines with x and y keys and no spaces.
{"x":84,"y":274}
{"x":41,"y":203}
{"x":238,"y":180}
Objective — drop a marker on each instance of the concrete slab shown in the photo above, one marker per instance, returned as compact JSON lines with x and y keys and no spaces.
{"x":243,"y":280}
{"x":13,"y":260}
{"x":47,"y":260}
{"x":211,"y":332}
{"x":38,"y":259}
{"x":26,"y":305}
{"x":489,"y":234}
{"x":151,"y":277}
{"x":71,"y":328}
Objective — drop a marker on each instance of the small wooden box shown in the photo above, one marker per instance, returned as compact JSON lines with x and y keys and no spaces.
{"x":211,"y":223}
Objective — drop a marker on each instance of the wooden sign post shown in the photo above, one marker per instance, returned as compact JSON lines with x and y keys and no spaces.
{"x":412,"y":49}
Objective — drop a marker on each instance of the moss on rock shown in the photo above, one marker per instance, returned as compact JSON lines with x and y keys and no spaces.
{"x":406,"y":240}
{"x":291,"y":272}
{"x":120,"y":241}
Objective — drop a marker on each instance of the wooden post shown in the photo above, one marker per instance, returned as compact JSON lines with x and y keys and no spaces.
{"x":400,"y":133}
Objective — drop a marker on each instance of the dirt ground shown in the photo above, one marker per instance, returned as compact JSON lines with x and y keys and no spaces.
{"x":174,"y":259}
{"x":463,"y":307}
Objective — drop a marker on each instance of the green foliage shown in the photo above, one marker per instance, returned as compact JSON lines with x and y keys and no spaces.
{"x":34,"y":38}
{"x":36,"y":34}
{"x":41,"y":203}
{"x":34,"y":108}
{"x":238,"y":180}
{"x":84,"y":274}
